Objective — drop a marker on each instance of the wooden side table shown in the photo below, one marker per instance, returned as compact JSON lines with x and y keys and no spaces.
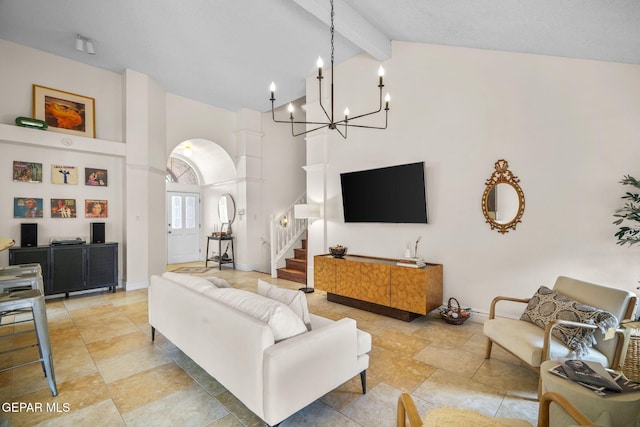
{"x":219,"y":259}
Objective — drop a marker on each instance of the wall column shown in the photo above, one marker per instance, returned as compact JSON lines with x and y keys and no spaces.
{"x":144,"y":212}
{"x":247,"y":229}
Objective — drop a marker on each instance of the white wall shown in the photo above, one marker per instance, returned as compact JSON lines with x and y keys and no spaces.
{"x":22,"y":67}
{"x":567,"y":127}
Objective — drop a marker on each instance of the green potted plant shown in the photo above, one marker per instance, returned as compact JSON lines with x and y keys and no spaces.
{"x":629,"y":234}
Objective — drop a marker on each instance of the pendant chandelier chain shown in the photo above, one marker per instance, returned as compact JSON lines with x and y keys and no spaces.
{"x":332,"y":32}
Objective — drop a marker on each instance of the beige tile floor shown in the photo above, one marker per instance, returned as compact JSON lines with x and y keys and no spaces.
{"x":109,"y":373}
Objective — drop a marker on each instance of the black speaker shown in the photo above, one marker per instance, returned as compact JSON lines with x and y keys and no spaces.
{"x":97,"y":232}
{"x":28,"y":234}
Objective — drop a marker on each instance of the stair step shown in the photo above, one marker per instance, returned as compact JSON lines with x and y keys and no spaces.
{"x":304,"y":244}
{"x":300,"y":253}
{"x":296,"y":264}
{"x":293,"y":275}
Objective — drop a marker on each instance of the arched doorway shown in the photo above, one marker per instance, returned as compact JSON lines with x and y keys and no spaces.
{"x":198,"y":172}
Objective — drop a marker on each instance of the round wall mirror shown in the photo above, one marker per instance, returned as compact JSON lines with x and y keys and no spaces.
{"x":503,"y":199}
{"x":226,"y":209}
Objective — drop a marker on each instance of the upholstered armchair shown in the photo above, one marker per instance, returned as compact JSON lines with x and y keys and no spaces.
{"x":553,"y":338}
{"x":467,"y":418}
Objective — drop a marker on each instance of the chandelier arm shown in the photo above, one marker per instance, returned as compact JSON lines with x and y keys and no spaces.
{"x":343,"y":135}
{"x":273,"y":116}
{"x":308,"y":131}
{"x":347,"y":123}
{"x":320,"y":98}
{"x":373,"y":112}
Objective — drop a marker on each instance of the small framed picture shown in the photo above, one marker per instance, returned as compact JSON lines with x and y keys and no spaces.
{"x":63,"y":208}
{"x":65,"y":112}
{"x":27,"y":171}
{"x":95,"y":177}
{"x":96,"y":208}
{"x":61,"y":174}
{"x":27,"y":207}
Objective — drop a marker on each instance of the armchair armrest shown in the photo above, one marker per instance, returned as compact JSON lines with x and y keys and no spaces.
{"x":572,"y":411}
{"x":492,"y":311}
{"x":616,"y":363}
{"x":407,"y":408}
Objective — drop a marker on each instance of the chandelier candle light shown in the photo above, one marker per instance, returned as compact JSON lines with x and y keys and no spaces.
{"x":331,"y":122}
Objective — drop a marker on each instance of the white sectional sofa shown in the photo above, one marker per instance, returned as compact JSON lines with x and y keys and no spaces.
{"x":253,"y":346}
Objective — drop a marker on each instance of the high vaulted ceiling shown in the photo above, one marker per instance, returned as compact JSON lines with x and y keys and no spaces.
{"x":227,"y":52}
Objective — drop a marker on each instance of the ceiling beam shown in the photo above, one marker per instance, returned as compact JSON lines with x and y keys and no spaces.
{"x":351,"y":25}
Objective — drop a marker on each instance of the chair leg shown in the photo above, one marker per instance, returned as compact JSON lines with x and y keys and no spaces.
{"x":153,"y":333}
{"x":487,"y":354}
{"x":363,"y":380}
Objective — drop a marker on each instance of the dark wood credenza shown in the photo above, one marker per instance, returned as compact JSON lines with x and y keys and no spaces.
{"x":379,"y":285}
{"x":72,"y":268}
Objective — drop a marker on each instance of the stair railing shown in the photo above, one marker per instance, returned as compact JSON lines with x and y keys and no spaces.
{"x":284,"y":237}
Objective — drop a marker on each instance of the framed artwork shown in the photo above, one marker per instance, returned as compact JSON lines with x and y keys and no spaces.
{"x":61,"y":174}
{"x":95,"y":177}
{"x":63,"y":208}
{"x":27,"y":207}
{"x":27,"y":171}
{"x":96,"y":208}
{"x":64,"y":111}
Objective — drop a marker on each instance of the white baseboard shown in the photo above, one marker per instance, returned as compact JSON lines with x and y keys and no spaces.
{"x":132,"y":286}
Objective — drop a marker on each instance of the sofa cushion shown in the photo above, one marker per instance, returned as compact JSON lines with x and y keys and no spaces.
{"x":193,"y":282}
{"x":218,"y":282}
{"x":547,"y":305}
{"x":284,"y":323}
{"x":295,"y":300}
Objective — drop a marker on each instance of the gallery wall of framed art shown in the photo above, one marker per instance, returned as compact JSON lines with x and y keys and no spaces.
{"x":62,"y":191}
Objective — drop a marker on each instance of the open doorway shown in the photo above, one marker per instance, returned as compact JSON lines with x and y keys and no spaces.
{"x":198,"y":172}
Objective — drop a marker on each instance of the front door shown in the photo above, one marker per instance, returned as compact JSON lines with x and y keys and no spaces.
{"x":183,"y":226}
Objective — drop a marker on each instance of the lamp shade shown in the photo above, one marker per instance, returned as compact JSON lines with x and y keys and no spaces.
{"x":306,"y":211}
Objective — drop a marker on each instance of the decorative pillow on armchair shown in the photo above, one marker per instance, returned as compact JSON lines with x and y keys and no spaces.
{"x":547,"y":305}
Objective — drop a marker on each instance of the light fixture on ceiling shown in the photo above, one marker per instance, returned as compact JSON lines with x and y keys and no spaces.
{"x":187,"y":150}
{"x":81,"y":42}
{"x":331,"y":122}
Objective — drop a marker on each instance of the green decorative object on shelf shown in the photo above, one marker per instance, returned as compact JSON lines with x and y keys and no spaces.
{"x":28,"y":122}
{"x":629,"y":234}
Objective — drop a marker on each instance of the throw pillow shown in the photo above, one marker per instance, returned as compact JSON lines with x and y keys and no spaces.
{"x":218,"y":282}
{"x":284,"y":323}
{"x":547,"y":305}
{"x":295,"y":300}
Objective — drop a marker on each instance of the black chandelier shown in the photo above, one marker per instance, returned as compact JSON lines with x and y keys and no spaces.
{"x":342,"y":125}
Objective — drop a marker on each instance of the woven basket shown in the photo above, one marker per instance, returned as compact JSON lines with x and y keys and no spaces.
{"x":632,"y":362}
{"x":461,"y":317}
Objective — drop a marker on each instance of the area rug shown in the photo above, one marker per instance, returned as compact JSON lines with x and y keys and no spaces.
{"x":192,"y":270}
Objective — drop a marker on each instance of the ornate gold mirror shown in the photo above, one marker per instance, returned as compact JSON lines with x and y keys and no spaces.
{"x":503,"y":199}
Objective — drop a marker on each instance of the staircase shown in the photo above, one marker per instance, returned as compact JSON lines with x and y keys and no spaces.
{"x":296,"y":267}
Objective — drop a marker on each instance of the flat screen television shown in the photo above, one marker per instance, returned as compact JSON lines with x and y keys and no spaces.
{"x":392,"y":194}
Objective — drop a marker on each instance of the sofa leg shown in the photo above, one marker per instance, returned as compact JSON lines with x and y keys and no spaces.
{"x":363,"y":380}
{"x":153,"y":333}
